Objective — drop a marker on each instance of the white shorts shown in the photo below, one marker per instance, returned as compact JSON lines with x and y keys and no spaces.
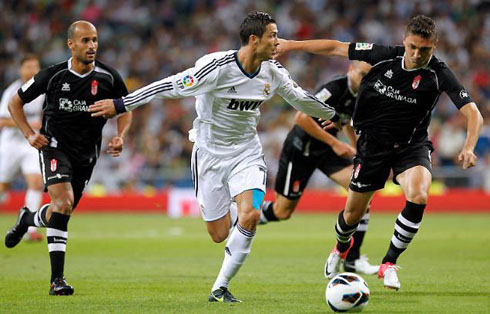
{"x":217,"y":180}
{"x":19,"y":156}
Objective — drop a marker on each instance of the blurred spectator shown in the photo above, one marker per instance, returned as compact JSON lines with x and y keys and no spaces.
{"x":148,"y":40}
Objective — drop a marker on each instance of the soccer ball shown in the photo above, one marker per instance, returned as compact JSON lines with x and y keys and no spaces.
{"x":347,"y":292}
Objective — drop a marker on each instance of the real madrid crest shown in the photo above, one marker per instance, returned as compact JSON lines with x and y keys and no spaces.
{"x":267,"y":89}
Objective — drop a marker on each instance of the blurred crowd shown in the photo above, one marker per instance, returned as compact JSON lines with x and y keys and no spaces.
{"x":149,"y":40}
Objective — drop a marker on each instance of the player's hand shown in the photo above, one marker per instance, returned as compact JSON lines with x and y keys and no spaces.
{"x":343,"y":150}
{"x":284,"y":46}
{"x":467,"y":159}
{"x":327,"y":124}
{"x":115,"y":146}
{"x":103,"y":108}
{"x":37,"y":140}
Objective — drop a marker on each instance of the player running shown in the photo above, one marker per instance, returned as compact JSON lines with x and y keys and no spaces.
{"x":15,"y":153}
{"x":309,"y":147}
{"x":69,"y":141}
{"x":227,"y":160}
{"x":392,"y":115}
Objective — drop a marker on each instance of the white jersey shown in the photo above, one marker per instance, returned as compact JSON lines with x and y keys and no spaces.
{"x":32,"y":111}
{"x":228,"y":99}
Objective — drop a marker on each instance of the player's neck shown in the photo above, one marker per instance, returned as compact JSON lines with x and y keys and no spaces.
{"x":248,"y":59}
{"x":80,"y":67}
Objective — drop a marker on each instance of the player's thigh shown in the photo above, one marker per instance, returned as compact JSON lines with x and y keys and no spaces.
{"x":82,"y":172}
{"x":294,"y":172}
{"x":371,"y":165}
{"x":210,"y":176}
{"x":337,"y":168}
{"x":10,"y":160}
{"x":342,"y":177}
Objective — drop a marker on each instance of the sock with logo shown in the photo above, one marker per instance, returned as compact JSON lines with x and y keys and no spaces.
{"x":57,"y":235}
{"x":406,"y":226}
{"x":237,"y":250}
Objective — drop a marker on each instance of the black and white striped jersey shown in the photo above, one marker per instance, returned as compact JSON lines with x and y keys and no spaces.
{"x":395,"y":103}
{"x":66,"y":122}
{"x":228,"y":99}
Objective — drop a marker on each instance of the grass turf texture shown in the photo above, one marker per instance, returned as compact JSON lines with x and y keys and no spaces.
{"x":152,"y":264}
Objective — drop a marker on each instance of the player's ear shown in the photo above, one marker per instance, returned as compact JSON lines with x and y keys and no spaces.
{"x":69,"y":43}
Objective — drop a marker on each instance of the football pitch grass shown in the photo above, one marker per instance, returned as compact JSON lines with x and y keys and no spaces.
{"x":152,"y":264}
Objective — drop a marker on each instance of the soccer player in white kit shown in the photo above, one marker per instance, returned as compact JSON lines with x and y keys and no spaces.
{"x":227,"y":160}
{"x":15,"y":151}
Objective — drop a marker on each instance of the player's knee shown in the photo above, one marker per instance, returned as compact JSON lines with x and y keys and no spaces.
{"x":63,"y":205}
{"x":353,"y":217}
{"x":283,"y":213}
{"x":218,"y":236}
{"x":249,"y":219}
{"x":420,"y":197}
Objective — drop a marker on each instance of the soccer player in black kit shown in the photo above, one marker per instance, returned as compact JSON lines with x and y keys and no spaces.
{"x":69,"y":141}
{"x":392,"y":115}
{"x":308,"y":147}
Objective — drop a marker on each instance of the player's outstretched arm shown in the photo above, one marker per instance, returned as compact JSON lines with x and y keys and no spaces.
{"x":324,"y":47}
{"x":474,"y":122}
{"x":314,"y":130}
{"x":16,"y":110}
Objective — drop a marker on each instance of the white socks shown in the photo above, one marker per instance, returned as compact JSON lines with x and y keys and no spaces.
{"x":237,"y":250}
{"x":33,"y":201}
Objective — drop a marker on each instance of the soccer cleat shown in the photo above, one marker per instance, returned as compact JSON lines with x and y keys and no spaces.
{"x":60,"y":287}
{"x":335,"y":259}
{"x":222,"y":295}
{"x":361,"y":265}
{"x":14,"y":235}
{"x":388,"y":272}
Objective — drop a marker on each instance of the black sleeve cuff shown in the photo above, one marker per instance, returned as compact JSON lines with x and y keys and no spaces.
{"x":335,"y":118}
{"x":119,"y":105}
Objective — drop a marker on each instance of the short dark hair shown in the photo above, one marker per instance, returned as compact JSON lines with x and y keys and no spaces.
{"x":254,"y":24}
{"x":29,"y":56}
{"x":422,"y":26}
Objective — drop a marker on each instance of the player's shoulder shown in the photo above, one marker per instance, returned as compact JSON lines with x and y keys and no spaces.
{"x":216,"y":58}
{"x":338,"y":82}
{"x":106,"y":69}
{"x":437,"y":64}
{"x":54,"y":68}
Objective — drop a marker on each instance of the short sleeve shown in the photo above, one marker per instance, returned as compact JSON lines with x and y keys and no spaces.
{"x":453,"y":88}
{"x":372,"y":53}
{"x":35,"y":86}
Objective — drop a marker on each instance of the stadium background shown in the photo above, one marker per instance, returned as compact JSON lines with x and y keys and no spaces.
{"x":149,"y":40}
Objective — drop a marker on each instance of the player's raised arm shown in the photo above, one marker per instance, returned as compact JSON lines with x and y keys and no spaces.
{"x":325,"y":47}
{"x":191,"y":82}
{"x":16,"y":110}
{"x":474,"y":122}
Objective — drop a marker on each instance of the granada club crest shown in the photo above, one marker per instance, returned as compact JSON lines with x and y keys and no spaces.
{"x":296,"y":186}
{"x":54,"y":165}
{"x":356,"y":171}
{"x":416,"y":81}
{"x":93,"y":87}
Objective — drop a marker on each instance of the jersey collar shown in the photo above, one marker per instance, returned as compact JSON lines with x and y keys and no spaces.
{"x":76,"y":73}
{"x":249,"y":75}
{"x":425,"y":66}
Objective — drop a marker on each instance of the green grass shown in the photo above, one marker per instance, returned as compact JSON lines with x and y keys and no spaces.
{"x":152,"y":264}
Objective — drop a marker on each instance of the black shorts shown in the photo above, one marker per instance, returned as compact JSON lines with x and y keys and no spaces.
{"x":58,"y":167}
{"x":375,"y":160}
{"x":295,"y":169}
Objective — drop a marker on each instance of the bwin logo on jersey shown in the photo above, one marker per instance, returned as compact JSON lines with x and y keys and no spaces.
{"x":245,"y":105}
